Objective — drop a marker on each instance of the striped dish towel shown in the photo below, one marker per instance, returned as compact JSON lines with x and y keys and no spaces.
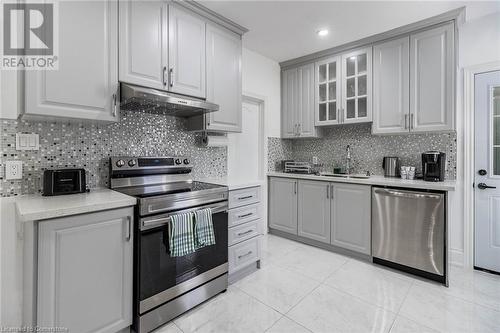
{"x":182,"y":237}
{"x":204,"y":228}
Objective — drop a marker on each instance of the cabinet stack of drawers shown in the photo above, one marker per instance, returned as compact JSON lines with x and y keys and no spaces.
{"x":245,"y":230}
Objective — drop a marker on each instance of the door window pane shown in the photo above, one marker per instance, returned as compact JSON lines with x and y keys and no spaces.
{"x":332,"y":91}
{"x":351,"y":64}
{"x":362,"y":85}
{"x":496,"y":131}
{"x":332,"y":111}
{"x":351,"y":87}
{"x":362,"y":63}
{"x":332,"y":71}
{"x":362,"y":107}
{"x":322,"y":112}
{"x":351,"y":111}
{"x":322,"y":73}
{"x":496,"y":161}
{"x":322,"y":92}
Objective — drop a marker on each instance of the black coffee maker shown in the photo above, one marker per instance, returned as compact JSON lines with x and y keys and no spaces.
{"x":433,"y":166}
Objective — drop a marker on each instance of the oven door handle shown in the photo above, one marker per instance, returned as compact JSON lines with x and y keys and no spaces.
{"x":163,"y":219}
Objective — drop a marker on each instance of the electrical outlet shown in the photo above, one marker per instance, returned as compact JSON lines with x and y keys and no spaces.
{"x":13,"y":170}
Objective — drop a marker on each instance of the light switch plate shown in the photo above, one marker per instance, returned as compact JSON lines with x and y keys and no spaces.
{"x":27,"y":141}
{"x":13,"y":170}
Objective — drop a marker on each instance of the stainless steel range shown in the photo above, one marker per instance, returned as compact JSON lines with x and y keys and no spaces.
{"x":165,"y":286}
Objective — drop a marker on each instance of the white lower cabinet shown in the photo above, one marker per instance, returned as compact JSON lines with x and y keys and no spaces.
{"x":244,"y":230}
{"x":85,"y":271}
{"x":333,"y":213}
{"x":351,"y":217}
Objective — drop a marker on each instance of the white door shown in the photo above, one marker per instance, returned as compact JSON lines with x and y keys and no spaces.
{"x":245,"y":151}
{"x":487,"y":171}
{"x":86,"y":83}
{"x":186,"y":52}
{"x":391,"y":86}
{"x":143,"y":26}
{"x":224,"y":78}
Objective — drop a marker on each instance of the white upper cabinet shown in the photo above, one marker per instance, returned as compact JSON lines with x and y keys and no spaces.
{"x":432,"y":86}
{"x":186,"y":52}
{"x":143,"y":43}
{"x":356,"y":86}
{"x":224,"y":79}
{"x":297,"y":116}
{"x":328,"y":92}
{"x":86,"y":84}
{"x":305,"y":111}
{"x":391,"y":86}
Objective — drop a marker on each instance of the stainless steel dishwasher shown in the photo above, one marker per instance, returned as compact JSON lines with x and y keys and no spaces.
{"x":409,"y":231}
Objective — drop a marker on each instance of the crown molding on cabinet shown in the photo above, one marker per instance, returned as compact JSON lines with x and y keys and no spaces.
{"x":211,"y":15}
{"x":457,"y":15}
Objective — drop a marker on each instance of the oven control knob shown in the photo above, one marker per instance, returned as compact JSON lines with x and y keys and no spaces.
{"x":131,"y":163}
{"x":186,"y":161}
{"x":178,"y":161}
{"x":120,"y":163}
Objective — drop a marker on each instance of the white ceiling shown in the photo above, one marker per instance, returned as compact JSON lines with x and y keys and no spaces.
{"x":283,"y":30}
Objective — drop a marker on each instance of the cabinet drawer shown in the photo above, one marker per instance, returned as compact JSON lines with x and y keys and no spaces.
{"x":245,"y":196}
{"x":244,"y":254}
{"x":243,"y":232}
{"x":243,"y":214}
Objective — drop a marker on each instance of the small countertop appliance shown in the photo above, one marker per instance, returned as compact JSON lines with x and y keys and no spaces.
{"x":433,"y":166}
{"x":391,"y":166}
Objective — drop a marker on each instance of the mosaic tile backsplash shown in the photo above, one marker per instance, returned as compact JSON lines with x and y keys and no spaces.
{"x":89,"y":146}
{"x":367,"y":150}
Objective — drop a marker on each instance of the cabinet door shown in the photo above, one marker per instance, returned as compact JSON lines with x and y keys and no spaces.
{"x":327,"y":92}
{"x":289,"y":105}
{"x":357,"y":86}
{"x":391,"y":86}
{"x":351,"y":217}
{"x":432,"y":79}
{"x":85,"y":271}
{"x":186,"y":52}
{"x":224,"y":78}
{"x":283,"y":204}
{"x":86,"y":83}
{"x":314,"y":210}
{"x":305,"y":111}
{"x":143,"y":43}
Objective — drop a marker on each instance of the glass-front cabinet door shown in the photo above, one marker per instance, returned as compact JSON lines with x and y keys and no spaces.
{"x":327,"y":92}
{"x":356,"y":83}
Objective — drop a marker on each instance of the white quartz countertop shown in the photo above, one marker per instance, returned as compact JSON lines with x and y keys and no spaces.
{"x":447,"y":185}
{"x":37,"y":207}
{"x":233,"y":183}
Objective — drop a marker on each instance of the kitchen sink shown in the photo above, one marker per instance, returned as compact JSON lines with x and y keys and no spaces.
{"x":340,"y":175}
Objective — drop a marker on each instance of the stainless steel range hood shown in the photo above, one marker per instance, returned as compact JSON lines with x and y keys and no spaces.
{"x":137,"y":98}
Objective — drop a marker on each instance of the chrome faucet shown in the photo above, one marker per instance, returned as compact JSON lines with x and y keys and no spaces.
{"x":348,"y":160}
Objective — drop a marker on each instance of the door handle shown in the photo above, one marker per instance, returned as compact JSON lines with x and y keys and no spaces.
{"x":483,"y":186}
{"x":406,"y":121}
{"x":165,"y":76}
{"x":171,"y":76}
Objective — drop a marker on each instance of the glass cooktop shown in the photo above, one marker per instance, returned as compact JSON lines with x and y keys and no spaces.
{"x":170,"y":188}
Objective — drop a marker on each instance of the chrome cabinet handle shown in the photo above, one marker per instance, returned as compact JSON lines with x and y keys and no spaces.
{"x":164,"y":76}
{"x":406,"y":121}
{"x":331,"y":191}
{"x":245,"y":215}
{"x":246,"y":232}
{"x":171,"y":76}
{"x":298,"y":129}
{"x":246,"y":197}
{"x":338,"y":115}
{"x":128,"y":233}
{"x":244,"y":255}
{"x":114,"y":105}
{"x":295,"y":188}
{"x":328,"y":191}
{"x":411,"y":121}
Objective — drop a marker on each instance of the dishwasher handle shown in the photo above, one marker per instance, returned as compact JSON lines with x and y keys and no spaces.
{"x":407,"y":194}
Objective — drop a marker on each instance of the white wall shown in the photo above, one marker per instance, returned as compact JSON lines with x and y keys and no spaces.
{"x":479,"y":43}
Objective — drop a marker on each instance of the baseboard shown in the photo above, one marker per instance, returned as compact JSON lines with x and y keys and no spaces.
{"x":456,"y":257}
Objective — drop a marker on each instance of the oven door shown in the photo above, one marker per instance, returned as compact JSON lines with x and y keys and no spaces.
{"x":162,"y":277}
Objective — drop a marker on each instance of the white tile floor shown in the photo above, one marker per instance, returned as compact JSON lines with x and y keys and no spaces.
{"x":305,"y":289}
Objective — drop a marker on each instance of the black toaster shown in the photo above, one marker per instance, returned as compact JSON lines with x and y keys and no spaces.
{"x":63,"y":181}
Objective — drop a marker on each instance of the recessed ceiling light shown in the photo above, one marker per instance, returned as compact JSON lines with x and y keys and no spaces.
{"x":322,"y":32}
{"x":352,"y":58}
